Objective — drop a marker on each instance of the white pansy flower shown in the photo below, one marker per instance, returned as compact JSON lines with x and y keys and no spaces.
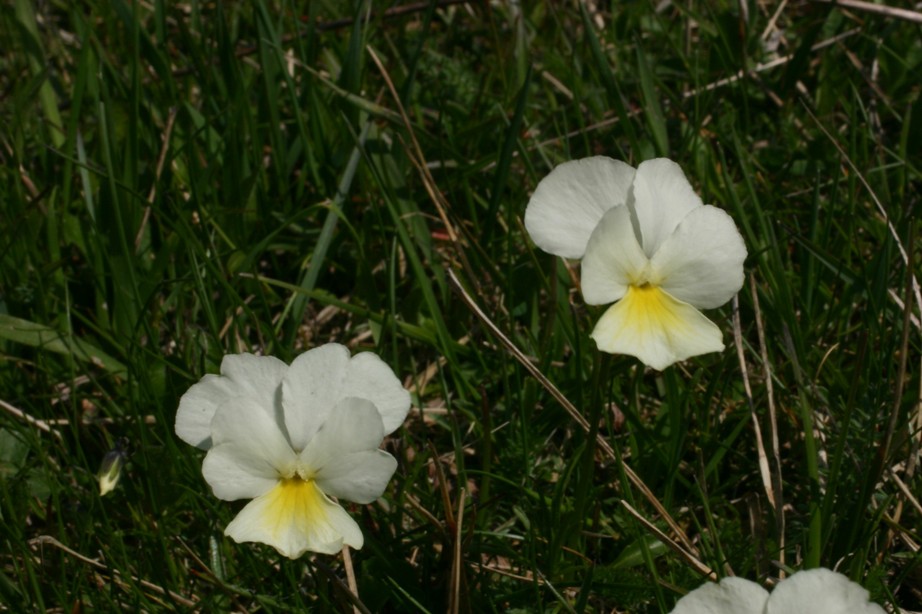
{"x":815,"y":591}
{"x":649,"y":246}
{"x":291,"y":437}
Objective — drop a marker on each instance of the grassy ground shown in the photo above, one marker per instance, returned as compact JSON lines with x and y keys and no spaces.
{"x":182,"y":180}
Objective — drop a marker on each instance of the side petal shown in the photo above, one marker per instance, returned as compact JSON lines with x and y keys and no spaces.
{"x":296,"y":517}
{"x":701,"y":262}
{"x":661,"y":198}
{"x":369,"y":377}
{"x":242,"y":375}
{"x":656,"y":328}
{"x":360,"y":476}
{"x":570,"y":201}
{"x":233,"y":473}
{"x":354,"y":425}
{"x":253,"y":433}
{"x":730,"y":596}
{"x":614,"y":259}
{"x":344,"y":457}
{"x":310,"y":390}
{"x":820,"y":591}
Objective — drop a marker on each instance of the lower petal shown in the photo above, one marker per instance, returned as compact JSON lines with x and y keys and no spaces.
{"x":656,"y":328}
{"x":730,"y":596}
{"x":295,"y":517}
{"x":820,"y":591}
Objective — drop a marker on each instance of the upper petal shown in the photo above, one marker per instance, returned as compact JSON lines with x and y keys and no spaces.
{"x":730,"y":596}
{"x":660,"y":199}
{"x":369,"y":377}
{"x":242,"y":375}
{"x":614,"y":259}
{"x":656,"y":328}
{"x":320,"y":378}
{"x":820,"y":591}
{"x":311,"y":390}
{"x":197,"y":406}
{"x":701,"y":262}
{"x":570,"y":201}
{"x":295,"y":517}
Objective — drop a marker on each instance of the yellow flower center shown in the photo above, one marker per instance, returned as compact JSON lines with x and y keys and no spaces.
{"x":647,"y":308}
{"x":294,"y":502}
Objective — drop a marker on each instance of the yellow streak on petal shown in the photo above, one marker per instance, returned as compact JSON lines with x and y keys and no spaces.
{"x":656,"y":328}
{"x":294,"y":517}
{"x":294,"y":502}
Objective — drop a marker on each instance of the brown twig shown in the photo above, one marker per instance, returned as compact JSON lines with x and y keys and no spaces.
{"x":877,"y":9}
{"x":772,"y":422}
{"x":350,"y":577}
{"x":39,"y":424}
{"x":692,"y":560}
{"x":115,"y":574}
{"x":549,"y":386}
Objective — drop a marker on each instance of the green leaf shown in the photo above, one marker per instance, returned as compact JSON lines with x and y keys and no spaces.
{"x":47,"y":338}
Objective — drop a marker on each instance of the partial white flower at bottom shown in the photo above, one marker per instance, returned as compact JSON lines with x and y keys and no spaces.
{"x":290,"y":438}
{"x":815,"y":591}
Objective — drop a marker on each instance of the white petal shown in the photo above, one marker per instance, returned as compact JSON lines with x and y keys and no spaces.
{"x":233,"y":473}
{"x":820,"y":591}
{"x":730,"y":596}
{"x":656,"y":328}
{"x":344,"y":458}
{"x":256,"y":377}
{"x":661,"y":198}
{"x":369,"y":377}
{"x":320,"y":378}
{"x":360,"y":476}
{"x":570,"y":201}
{"x":196,"y":409}
{"x":311,"y":389}
{"x":295,"y":517}
{"x":253,"y":434}
{"x":353,"y":425}
{"x":614,"y":259}
{"x":701,"y":263}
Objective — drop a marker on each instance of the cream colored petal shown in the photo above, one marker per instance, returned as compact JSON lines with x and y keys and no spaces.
{"x":613,"y":259}
{"x":569,"y":202}
{"x":344,"y":457}
{"x":361,"y":477}
{"x":354,"y":425}
{"x":320,"y":378}
{"x":656,"y":328}
{"x":369,"y":377}
{"x":242,"y":375}
{"x":730,"y":596}
{"x":233,"y":472}
{"x":660,"y":199}
{"x":257,"y":377}
{"x":311,"y":389}
{"x":296,"y":517}
{"x":701,"y":262}
{"x":197,"y":406}
{"x":249,"y":452}
{"x":820,"y":591}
